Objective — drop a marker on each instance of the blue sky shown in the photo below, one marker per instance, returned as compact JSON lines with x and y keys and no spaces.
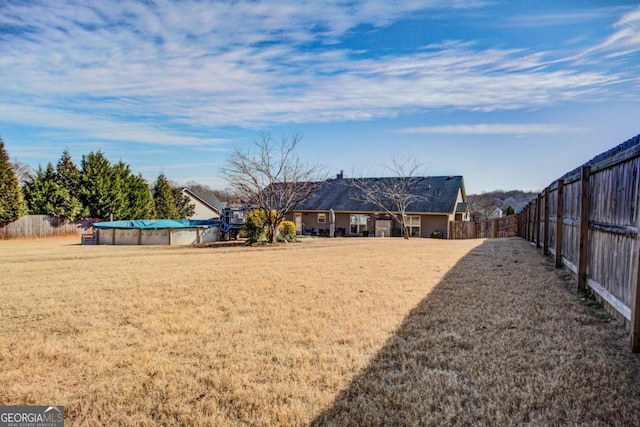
{"x":509,"y":94}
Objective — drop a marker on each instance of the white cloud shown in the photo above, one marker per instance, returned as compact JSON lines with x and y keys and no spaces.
{"x":74,"y":125}
{"x":128,"y":71}
{"x":492,"y":129}
{"x":533,"y":20}
{"x":624,"y":40}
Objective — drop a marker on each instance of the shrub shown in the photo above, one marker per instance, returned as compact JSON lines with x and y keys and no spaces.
{"x":437,"y":235}
{"x":396,"y":232}
{"x":287,"y":230}
{"x":255,"y":227}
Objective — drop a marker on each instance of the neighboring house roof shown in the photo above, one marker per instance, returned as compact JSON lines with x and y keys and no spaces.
{"x":462,"y":207}
{"x":206,"y":198}
{"x":440,"y":195}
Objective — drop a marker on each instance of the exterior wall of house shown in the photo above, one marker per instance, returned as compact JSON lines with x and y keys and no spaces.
{"x":431,"y":223}
{"x":310,"y":223}
{"x":428,"y":224}
{"x":310,"y":220}
{"x":461,"y":216}
{"x":202,"y":211}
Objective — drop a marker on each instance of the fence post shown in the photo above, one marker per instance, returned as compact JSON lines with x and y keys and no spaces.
{"x":532,"y":228}
{"x":634,"y":329}
{"x":494,"y":226}
{"x":537,"y":221}
{"x":559,"y":223}
{"x":584,"y":228}
{"x":529,"y":221}
{"x":545,"y":243}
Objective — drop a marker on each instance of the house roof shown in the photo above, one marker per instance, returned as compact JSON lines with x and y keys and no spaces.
{"x":462,"y":207}
{"x":440,"y":195}
{"x":205,"y":197}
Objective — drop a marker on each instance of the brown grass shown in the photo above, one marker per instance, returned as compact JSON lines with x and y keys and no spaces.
{"x":329,"y":332}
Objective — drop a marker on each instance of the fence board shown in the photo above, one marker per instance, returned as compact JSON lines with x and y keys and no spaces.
{"x":506,"y":226}
{"x":590,"y":223}
{"x":42,"y":226}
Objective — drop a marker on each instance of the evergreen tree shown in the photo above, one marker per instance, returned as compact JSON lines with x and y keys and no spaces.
{"x":68,"y":177}
{"x":68,"y":174}
{"x":101,"y":188}
{"x":12,"y":204}
{"x":46,"y":196}
{"x":183,"y":203}
{"x":163,"y":197}
{"x":140,"y":203}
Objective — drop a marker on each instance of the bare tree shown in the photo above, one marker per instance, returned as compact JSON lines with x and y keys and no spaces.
{"x":22,"y":170}
{"x":393,"y":195}
{"x":225,"y":195}
{"x":483,"y":206}
{"x":272,"y":178}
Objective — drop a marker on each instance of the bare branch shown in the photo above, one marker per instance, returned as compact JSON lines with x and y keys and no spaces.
{"x":22,"y":170}
{"x":393,"y":195}
{"x":273,"y":178}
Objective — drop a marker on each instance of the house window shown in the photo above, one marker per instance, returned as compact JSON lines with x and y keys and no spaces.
{"x":322,"y":218}
{"x":358,"y":223}
{"x":413,"y":225}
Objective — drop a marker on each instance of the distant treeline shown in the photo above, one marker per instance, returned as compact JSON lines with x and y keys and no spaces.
{"x":485,"y":205}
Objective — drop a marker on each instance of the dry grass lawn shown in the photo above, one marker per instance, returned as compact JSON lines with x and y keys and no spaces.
{"x":326,"y":332}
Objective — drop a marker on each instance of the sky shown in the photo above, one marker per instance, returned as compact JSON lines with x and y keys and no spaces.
{"x":508,"y":94}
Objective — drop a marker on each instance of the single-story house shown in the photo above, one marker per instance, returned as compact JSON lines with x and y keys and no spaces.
{"x":442,"y":199}
{"x":207,"y":205}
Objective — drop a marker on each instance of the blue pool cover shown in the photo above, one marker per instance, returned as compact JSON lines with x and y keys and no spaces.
{"x":157,"y":224}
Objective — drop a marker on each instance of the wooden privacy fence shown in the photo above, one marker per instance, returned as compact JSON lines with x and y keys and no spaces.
{"x":39,"y":226}
{"x":506,"y":226}
{"x":588,"y":220}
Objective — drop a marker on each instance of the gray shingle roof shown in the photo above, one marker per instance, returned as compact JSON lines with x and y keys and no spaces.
{"x":206,"y":198}
{"x":440,"y":194}
{"x":462,"y":207}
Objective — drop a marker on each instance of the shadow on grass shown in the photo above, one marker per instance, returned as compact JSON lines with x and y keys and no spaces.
{"x":499,"y":341}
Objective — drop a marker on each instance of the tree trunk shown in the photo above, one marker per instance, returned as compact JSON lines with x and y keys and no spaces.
{"x":405,"y":231}
{"x":272,"y":234}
